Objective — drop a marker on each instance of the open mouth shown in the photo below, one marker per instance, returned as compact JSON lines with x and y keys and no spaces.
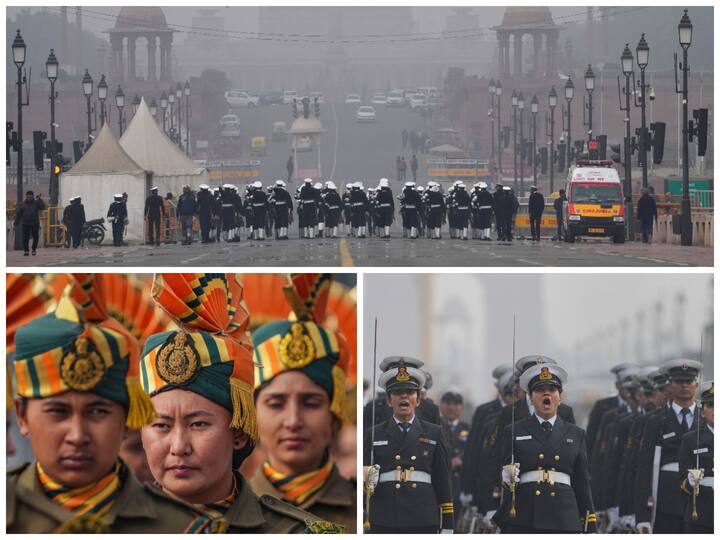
{"x":404,"y":404}
{"x":546,"y":401}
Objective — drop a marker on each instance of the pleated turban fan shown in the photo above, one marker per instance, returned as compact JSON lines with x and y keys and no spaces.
{"x":210,"y":353}
{"x":79,"y":347}
{"x":301,"y":344}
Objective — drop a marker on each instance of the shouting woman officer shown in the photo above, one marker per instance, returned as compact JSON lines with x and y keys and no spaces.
{"x":548,"y":484}
{"x":200,"y":379}
{"x":78,"y":389}
{"x":300,"y":399}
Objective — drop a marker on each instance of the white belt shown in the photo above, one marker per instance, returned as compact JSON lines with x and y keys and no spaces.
{"x":552,"y":477}
{"x":333,"y":207}
{"x":405,"y":475}
{"x":259,"y":204}
{"x":485,"y":207}
{"x":308,"y":201}
{"x":384,"y":204}
{"x":227,"y":205}
{"x":409,"y":206}
{"x":278,"y":203}
{"x":671,"y":467}
{"x":435,"y":205}
{"x":462,"y":207}
{"x":358,"y":204}
{"x":708,"y":482}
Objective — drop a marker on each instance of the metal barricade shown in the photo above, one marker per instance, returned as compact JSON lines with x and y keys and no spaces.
{"x":54,"y":233}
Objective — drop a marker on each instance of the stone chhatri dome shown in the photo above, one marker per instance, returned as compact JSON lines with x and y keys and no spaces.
{"x":136,"y":17}
{"x":527,"y":17}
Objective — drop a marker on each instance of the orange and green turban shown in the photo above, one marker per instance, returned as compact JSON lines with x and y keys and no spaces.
{"x":78,"y":348}
{"x":210,"y":354}
{"x":302,"y":344}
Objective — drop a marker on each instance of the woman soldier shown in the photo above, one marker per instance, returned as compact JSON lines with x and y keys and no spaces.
{"x":200,"y":379}
{"x":78,"y":391}
{"x":300,"y":399}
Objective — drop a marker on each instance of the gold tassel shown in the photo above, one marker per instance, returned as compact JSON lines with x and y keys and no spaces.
{"x":219,"y":526}
{"x":244,"y":416}
{"x":140,"y":408}
{"x":86,"y":524}
{"x":337,"y":405}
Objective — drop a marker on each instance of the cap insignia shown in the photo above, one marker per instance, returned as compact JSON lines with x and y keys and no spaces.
{"x":177,"y":361}
{"x":81,"y":368}
{"x":545,"y":374}
{"x":684,"y":367}
{"x":296,"y":348}
{"x":402,"y":375}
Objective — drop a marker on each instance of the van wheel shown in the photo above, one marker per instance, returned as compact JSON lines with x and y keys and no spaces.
{"x":569,"y":237}
{"x":619,"y":238}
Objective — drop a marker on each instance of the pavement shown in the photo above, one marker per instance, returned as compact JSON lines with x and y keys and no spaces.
{"x":373,"y":252}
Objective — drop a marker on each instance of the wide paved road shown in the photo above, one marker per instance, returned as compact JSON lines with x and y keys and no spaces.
{"x":374,"y":252}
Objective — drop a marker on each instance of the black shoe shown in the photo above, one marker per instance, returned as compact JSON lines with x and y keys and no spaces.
{"x":34,"y":252}
{"x":27,"y":253}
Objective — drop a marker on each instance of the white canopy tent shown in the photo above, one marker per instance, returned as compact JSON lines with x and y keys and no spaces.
{"x":104,"y":170}
{"x":170,"y":168}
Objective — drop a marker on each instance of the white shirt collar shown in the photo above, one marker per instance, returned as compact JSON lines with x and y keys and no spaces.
{"x":398,"y":422}
{"x":710,"y":428}
{"x":677,"y":409}
{"x":551,"y":420}
{"x":452,"y":423}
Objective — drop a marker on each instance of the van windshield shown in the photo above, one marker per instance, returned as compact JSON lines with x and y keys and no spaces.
{"x":596,"y":194}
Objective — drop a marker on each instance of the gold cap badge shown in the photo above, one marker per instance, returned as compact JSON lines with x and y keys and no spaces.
{"x":296,"y":348}
{"x":177,"y":361}
{"x":402,"y":375}
{"x":81,"y":368}
{"x":545,"y":374}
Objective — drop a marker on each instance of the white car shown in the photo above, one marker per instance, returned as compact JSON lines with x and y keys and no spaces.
{"x":353,"y":98}
{"x":304,"y":144}
{"x":229,"y":126}
{"x":238,"y":98}
{"x":379,"y":99}
{"x":319,"y":95}
{"x":418,"y":101}
{"x":366,"y":113}
{"x":289,"y":95}
{"x":395,"y":99}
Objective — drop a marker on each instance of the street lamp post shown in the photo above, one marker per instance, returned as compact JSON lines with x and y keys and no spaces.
{"x":171,"y":100}
{"x":642,"y":52}
{"x":514,"y":102}
{"x":87,"y":84}
{"x":498,"y":93}
{"x":186,"y":94}
{"x":102,"y":96}
{"x":589,"y":87}
{"x":163,"y":108}
{"x":534,"y":111}
{"x":626,"y":64}
{"x":135,"y":103}
{"x":491,"y":114}
{"x":19,"y":51}
{"x":685,"y":29}
{"x":120,"y":104}
{"x":552,"y":102}
{"x":179,"y":95}
{"x":51,"y":67}
{"x":569,"y":93}
{"x":521,"y":113}
{"x":153,"y":108}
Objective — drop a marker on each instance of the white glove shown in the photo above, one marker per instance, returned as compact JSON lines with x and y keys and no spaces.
{"x":511,"y":471}
{"x":644,"y":527}
{"x":694,"y":476}
{"x":371,"y":476}
{"x":487,"y":519}
{"x":613,"y":515}
{"x":628,"y":521}
{"x":447,"y":531}
{"x":465,"y":498}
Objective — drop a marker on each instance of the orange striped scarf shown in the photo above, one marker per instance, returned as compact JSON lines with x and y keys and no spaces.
{"x":210,"y":515}
{"x":94,"y":500}
{"x":298,"y":488}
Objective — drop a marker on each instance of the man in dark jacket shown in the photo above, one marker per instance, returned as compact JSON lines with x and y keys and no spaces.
{"x":499,"y":205}
{"x":154,"y":211}
{"x":536,"y":207}
{"x":647,"y":213}
{"x":333,"y":209}
{"x":186,"y":209}
{"x":28,"y":215}
{"x":117,"y":214}
{"x":385,"y":207}
{"x":258,"y":200}
{"x":282,"y":206}
{"x":74,"y":221}
{"x":558,"y":204}
{"x":206,"y":207}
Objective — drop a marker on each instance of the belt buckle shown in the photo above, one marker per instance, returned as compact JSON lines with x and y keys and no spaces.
{"x":402,"y":475}
{"x":546,"y":477}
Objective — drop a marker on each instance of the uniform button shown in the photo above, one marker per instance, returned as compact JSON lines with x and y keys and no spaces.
{"x":413,"y":458}
{"x":412,"y":468}
{"x":398,"y":468}
{"x":414,"y":485}
{"x":537,"y":493}
{"x":541,"y":456}
{"x":552,"y":493}
{"x":397,"y":486}
{"x":557,"y":458}
{"x":397,"y":456}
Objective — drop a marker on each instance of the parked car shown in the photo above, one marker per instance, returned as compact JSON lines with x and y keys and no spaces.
{"x":395,"y":99}
{"x":288,"y":96}
{"x":379,"y":99}
{"x":418,"y":101}
{"x":353,"y":98}
{"x":237,"y":98}
{"x":229,"y":126}
{"x":365,"y":113}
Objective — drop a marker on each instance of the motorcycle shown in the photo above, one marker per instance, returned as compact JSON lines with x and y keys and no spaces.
{"x":94,"y":231}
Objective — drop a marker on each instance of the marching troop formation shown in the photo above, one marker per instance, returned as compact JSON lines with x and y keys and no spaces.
{"x":644,"y":464}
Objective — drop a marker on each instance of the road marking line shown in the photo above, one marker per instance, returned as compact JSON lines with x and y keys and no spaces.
{"x":345,"y":257}
{"x":529,"y":262}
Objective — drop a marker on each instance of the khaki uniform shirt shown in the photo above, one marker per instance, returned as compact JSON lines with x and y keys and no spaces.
{"x":336,"y":501}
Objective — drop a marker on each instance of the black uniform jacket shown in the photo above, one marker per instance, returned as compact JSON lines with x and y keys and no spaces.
{"x":689,"y":449}
{"x":601,"y":406}
{"x":663,"y":430}
{"x":541,"y":505}
{"x":410,"y":504}
{"x":474,"y":444}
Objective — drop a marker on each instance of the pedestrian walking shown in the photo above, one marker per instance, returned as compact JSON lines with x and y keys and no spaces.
{"x":74,"y":218}
{"x":559,"y":205}
{"x":536,"y":207}
{"x":117,"y":215}
{"x":403,"y":169}
{"x":186,"y":210}
{"x":398,"y":168}
{"x":258,"y":199}
{"x":27,"y":216}
{"x":290,"y":166}
{"x":154,"y":213}
{"x":282,"y":206}
{"x":385,"y":204}
{"x":499,"y":207}
{"x":206,"y":207}
{"x":647,"y":214}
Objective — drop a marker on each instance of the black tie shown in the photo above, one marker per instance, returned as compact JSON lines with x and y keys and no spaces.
{"x":547,"y":426}
{"x":405,"y":426}
{"x":684,"y":422}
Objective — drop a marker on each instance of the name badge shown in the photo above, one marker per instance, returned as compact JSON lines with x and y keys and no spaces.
{"x":523,"y":438}
{"x":668,"y":435}
{"x":428,"y":441}
{"x":380,"y":443}
{"x":700,"y":451}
